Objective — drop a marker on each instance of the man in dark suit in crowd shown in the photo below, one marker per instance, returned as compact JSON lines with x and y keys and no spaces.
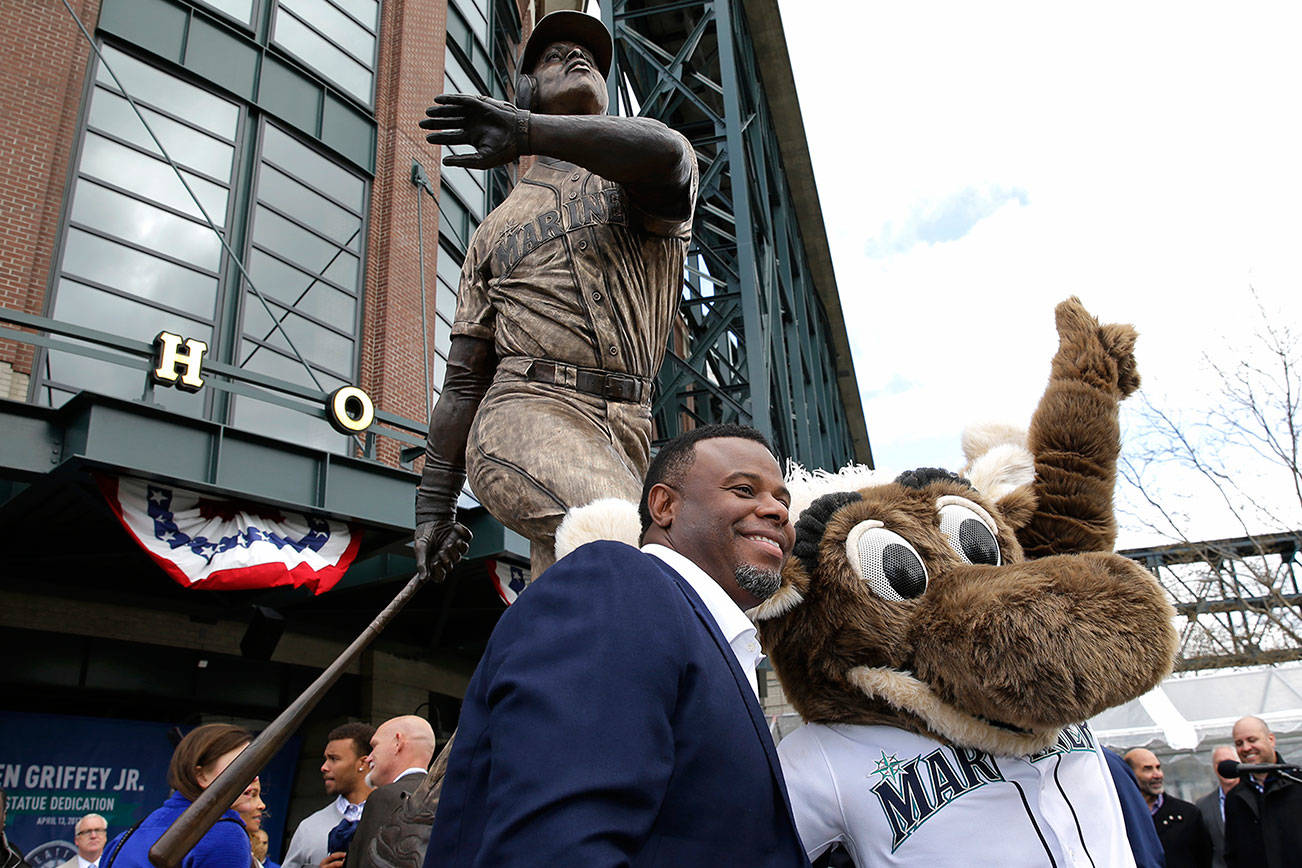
{"x":401,"y":750}
{"x":1263,"y":814}
{"x":1212,"y":805}
{"x":614,"y":717}
{"x":1180,"y":825}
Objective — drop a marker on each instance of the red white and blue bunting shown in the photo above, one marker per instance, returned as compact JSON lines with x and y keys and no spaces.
{"x":509,"y":579}
{"x":205,"y":542}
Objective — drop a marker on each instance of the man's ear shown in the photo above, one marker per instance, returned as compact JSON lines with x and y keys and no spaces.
{"x":662,"y":502}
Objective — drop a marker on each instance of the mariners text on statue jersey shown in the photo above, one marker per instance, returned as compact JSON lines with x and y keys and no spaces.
{"x":590,"y":209}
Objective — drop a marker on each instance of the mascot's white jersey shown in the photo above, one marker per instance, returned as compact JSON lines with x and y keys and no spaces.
{"x":897,"y":798}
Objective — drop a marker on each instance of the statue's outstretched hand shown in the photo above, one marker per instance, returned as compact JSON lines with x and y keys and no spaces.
{"x":498,"y":131}
{"x":440,"y":544}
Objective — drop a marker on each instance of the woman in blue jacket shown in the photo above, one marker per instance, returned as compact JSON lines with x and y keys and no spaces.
{"x":197,"y":761}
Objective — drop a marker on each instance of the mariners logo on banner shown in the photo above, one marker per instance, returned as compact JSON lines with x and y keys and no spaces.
{"x":219,"y":545}
{"x":509,"y":579}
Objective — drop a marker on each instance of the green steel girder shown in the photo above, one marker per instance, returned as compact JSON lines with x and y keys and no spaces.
{"x":1239,"y":598}
{"x":96,"y":431}
{"x":758,"y":346}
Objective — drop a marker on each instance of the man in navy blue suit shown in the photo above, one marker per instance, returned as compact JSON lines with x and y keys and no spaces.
{"x":614,"y":718}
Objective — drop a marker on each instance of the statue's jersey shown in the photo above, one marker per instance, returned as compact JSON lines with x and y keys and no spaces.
{"x":568,"y":269}
{"x":897,"y":798}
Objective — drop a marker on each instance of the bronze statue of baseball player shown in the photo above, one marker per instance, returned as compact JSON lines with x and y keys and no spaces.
{"x":567,"y":295}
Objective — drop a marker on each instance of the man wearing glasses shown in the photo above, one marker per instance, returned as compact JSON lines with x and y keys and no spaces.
{"x":91,"y":836}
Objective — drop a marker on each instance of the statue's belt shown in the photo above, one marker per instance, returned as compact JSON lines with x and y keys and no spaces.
{"x":602,"y":384}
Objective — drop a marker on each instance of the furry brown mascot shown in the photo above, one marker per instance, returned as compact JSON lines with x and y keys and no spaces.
{"x":942,"y":675}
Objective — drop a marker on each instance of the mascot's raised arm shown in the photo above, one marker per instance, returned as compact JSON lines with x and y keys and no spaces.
{"x":944,"y":637}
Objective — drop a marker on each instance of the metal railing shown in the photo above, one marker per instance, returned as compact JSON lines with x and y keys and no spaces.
{"x":51,"y":334}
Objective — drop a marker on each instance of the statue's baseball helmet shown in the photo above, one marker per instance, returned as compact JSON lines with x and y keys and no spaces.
{"x":571,"y":26}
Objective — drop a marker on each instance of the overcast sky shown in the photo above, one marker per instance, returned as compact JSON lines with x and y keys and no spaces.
{"x":979,"y":162}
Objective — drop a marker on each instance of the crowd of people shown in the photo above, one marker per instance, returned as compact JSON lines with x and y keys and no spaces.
{"x":1247,"y":820}
{"x":664,"y":764}
{"x":363,"y":765}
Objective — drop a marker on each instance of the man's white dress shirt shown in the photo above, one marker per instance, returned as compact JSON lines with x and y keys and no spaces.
{"x":736,"y":628}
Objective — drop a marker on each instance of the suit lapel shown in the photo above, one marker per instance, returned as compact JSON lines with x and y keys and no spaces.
{"x":742,"y":682}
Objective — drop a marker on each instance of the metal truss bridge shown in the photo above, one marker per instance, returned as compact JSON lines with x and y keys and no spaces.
{"x":1239,"y":598}
{"x":763,"y":342}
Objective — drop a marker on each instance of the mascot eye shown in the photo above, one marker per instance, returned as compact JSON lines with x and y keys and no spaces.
{"x":970,"y":531}
{"x":890,"y":566}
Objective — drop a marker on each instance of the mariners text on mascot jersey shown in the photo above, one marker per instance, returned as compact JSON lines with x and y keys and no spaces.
{"x":897,"y":798}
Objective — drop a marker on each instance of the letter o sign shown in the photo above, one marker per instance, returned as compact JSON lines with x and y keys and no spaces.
{"x":350,"y":410}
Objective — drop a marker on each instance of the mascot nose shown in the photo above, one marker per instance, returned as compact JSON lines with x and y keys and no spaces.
{"x":1045,"y":642}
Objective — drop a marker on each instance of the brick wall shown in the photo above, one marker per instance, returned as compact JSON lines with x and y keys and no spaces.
{"x":409,"y":76}
{"x":43,"y":62}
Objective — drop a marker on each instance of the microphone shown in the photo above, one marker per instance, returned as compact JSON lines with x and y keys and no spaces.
{"x":1231,"y":769}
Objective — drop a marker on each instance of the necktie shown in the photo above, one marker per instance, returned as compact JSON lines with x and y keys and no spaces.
{"x":341,"y":836}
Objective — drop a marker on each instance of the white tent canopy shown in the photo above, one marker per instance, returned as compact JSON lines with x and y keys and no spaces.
{"x":1186,"y":716}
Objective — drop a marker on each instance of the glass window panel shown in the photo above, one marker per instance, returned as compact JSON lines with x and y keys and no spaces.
{"x":93,"y":375}
{"x":454,"y":217}
{"x":289,"y":95}
{"x":442,"y":334}
{"x":365,"y":11}
{"x":151,"y":178}
{"x":312,"y":253}
{"x":218,"y":55}
{"x":145,"y":225}
{"x":282,"y":423}
{"x":240,"y":9}
{"x":468,"y":186}
{"x":147,"y":276}
{"x":476,"y":15}
{"x":446,"y":301}
{"x":440,"y":366}
{"x":188,"y":147}
{"x":458,"y":29}
{"x":85,"y":305}
{"x":53,"y":397}
{"x":479,"y":63}
{"x":159,"y":89}
{"x":348,"y":130}
{"x":307,"y":165}
{"x":334,"y":64}
{"x":353,"y":38}
{"x":457,"y":78}
{"x":304,"y":292}
{"x":320,"y":346}
{"x":306,"y":206}
{"x":267,"y":361}
{"x":449,"y":267}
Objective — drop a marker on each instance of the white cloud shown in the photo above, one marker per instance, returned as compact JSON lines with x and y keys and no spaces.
{"x":939,"y":221}
{"x":1144,"y":157}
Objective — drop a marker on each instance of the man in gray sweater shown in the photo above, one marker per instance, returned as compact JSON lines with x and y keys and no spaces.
{"x":344,"y":774}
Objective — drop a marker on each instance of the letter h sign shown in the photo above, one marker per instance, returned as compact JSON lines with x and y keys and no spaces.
{"x":168,"y":357}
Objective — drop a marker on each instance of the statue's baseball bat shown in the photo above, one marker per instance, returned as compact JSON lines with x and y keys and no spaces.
{"x":194,"y":823}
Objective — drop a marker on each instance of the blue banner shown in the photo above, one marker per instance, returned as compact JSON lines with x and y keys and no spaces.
{"x":55,"y":769}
